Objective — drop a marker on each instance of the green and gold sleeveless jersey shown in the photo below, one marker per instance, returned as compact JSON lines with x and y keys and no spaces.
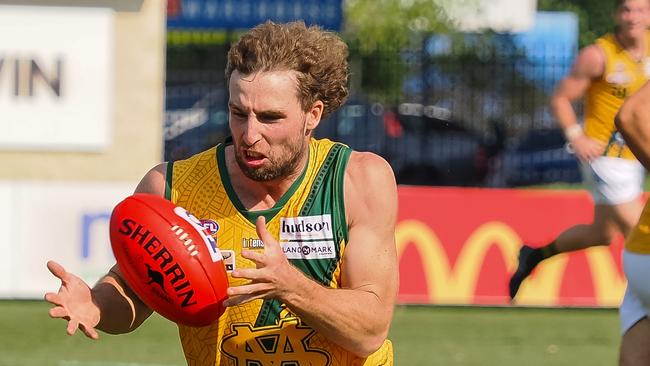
{"x":622,"y":77}
{"x":309,"y":222}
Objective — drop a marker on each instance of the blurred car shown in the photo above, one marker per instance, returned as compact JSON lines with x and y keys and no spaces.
{"x":196,"y":119}
{"x":423,"y":144}
{"x":435,"y":149}
{"x":540,"y":157}
{"x":358,"y":124}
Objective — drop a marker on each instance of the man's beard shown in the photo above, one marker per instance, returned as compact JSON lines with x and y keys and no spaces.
{"x":277,"y":167}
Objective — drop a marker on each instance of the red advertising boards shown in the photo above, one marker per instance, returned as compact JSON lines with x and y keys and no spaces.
{"x":459,"y":246}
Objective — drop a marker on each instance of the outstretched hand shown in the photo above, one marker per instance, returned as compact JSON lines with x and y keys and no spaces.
{"x":73,"y":302}
{"x":272,"y":273}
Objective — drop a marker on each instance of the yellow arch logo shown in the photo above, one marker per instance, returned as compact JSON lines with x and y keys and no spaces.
{"x":457,"y":284}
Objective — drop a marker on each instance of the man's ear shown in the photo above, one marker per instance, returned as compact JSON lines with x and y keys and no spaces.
{"x":314,"y":115}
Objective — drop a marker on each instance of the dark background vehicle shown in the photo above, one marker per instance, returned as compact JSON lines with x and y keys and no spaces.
{"x":423,"y":144}
{"x":359,"y":124}
{"x":435,"y":149}
{"x":196,"y":118}
{"x":540,"y":157}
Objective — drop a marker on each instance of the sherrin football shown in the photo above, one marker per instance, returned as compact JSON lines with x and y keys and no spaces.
{"x":168,"y":259}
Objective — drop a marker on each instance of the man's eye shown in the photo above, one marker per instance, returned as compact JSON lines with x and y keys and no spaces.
{"x":269,"y":119}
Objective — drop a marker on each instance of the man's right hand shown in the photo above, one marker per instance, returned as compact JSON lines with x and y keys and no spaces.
{"x":74,"y":302}
{"x":586,"y":148}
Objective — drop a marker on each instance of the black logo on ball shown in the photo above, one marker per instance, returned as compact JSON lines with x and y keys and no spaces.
{"x":155,"y":277}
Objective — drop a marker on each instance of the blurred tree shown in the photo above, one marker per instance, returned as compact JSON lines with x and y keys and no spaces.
{"x":595,"y":16}
{"x":391,"y":23}
{"x":378,"y":30}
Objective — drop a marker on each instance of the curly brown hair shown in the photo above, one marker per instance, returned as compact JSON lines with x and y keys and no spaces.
{"x":319,"y":58}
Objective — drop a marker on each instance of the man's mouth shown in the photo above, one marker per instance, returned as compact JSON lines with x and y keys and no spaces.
{"x":253,"y":158}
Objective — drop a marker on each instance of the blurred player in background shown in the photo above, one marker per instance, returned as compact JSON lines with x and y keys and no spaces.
{"x":633,"y":121}
{"x":331,"y":305}
{"x":605,"y":74}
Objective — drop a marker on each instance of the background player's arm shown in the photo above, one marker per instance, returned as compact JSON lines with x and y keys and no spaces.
{"x":356,"y":316}
{"x":589,"y":65}
{"x":633,"y":121}
{"x":110,"y":306}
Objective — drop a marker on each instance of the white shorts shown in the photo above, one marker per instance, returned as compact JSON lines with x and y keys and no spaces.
{"x":636,"y":302}
{"x":613,"y":181}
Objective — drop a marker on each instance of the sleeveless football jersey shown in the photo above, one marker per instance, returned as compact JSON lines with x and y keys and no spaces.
{"x":622,"y":76}
{"x":309,"y":222}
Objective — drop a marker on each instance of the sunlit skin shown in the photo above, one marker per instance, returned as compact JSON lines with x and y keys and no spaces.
{"x":269,"y":128}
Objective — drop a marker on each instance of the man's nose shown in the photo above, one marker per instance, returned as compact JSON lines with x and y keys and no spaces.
{"x":252,"y":131}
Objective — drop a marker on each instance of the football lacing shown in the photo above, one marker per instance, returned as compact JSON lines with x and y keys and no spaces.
{"x":182,"y":235}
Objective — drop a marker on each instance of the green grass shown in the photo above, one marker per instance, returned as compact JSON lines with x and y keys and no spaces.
{"x":505,"y":336}
{"x":421,"y":336}
{"x":28,"y":336}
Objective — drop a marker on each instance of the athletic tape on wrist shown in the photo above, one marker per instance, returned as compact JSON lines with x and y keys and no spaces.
{"x":572,"y":132}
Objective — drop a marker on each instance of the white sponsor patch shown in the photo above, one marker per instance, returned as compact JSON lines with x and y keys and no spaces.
{"x":210,"y":243}
{"x":309,"y":250}
{"x":306,"y":227}
{"x":619,"y":76}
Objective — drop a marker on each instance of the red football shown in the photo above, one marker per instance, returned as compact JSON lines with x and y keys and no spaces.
{"x":168,"y":259}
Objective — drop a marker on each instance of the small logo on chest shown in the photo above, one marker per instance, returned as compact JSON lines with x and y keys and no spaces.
{"x":306,"y":227}
{"x":252,"y":243}
{"x":309,"y":250}
{"x":307,"y":237}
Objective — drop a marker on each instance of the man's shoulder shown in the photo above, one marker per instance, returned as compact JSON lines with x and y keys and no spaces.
{"x":590,"y":61}
{"x":368,"y":168}
{"x":370,"y":187}
{"x":608,"y":37}
{"x":366,"y":157}
{"x":362,"y":166}
{"x":201,"y":163}
{"x":207,"y":153}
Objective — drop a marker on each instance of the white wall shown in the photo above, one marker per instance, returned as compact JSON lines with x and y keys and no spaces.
{"x":65,"y":222}
{"x":72,"y":159}
{"x":55,"y":81}
{"x":123,"y":109}
{"x":498,"y":15}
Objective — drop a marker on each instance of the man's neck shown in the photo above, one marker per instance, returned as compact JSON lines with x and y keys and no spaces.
{"x":259,"y":195}
{"x":635,"y":46}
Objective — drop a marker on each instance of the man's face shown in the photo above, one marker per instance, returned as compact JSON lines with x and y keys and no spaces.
{"x":632,"y":17}
{"x":268,"y":126}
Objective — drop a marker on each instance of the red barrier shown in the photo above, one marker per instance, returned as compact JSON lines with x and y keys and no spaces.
{"x":459,"y":246}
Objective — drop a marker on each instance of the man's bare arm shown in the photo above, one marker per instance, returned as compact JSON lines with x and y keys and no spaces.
{"x":633,"y":121}
{"x":110,"y":306}
{"x":121,"y":309}
{"x":589,"y":65}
